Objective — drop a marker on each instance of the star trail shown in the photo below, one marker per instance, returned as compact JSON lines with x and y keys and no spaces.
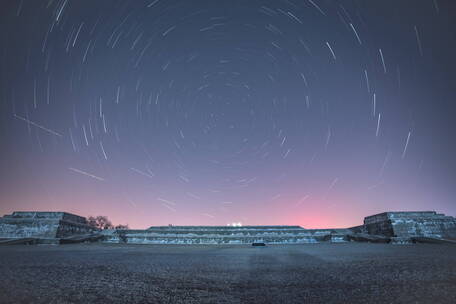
{"x":311,"y":113}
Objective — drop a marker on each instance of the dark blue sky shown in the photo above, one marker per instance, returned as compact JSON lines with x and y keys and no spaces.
{"x":304,"y":112}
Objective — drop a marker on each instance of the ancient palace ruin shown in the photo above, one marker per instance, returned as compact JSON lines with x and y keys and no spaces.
{"x":387,"y":227}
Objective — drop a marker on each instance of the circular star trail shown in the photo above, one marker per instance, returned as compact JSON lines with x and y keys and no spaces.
{"x":313,"y":113}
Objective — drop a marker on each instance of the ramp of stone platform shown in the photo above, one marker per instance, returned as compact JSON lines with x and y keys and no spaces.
{"x":430,"y":240}
{"x":81,"y":238}
{"x":18,"y":241}
{"x":364,"y":237}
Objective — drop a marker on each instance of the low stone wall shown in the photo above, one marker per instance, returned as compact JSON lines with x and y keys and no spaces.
{"x":224,"y":235}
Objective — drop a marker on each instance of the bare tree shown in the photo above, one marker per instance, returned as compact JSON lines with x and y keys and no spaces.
{"x":92,"y":222}
{"x":100,"y":222}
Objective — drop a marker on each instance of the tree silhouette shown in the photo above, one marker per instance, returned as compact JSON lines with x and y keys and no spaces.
{"x":100,"y":222}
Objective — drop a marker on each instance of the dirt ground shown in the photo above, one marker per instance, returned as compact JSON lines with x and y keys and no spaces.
{"x":313,"y":273}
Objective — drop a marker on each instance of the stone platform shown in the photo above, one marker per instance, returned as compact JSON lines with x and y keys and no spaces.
{"x":411,"y":224}
{"x":49,"y":227}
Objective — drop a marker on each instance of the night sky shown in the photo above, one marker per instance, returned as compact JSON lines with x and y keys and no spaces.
{"x":307,"y":112}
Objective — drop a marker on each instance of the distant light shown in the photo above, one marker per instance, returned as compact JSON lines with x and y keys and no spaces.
{"x":238,"y":224}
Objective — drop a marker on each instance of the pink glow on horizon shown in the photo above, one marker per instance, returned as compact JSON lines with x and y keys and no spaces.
{"x":313,"y":213}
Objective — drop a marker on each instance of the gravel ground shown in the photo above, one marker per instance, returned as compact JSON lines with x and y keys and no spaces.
{"x":314,"y":273}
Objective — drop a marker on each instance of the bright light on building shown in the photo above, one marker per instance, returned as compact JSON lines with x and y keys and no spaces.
{"x":234,"y":224}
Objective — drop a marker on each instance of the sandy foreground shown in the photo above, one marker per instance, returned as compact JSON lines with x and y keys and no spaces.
{"x":313,"y":273}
